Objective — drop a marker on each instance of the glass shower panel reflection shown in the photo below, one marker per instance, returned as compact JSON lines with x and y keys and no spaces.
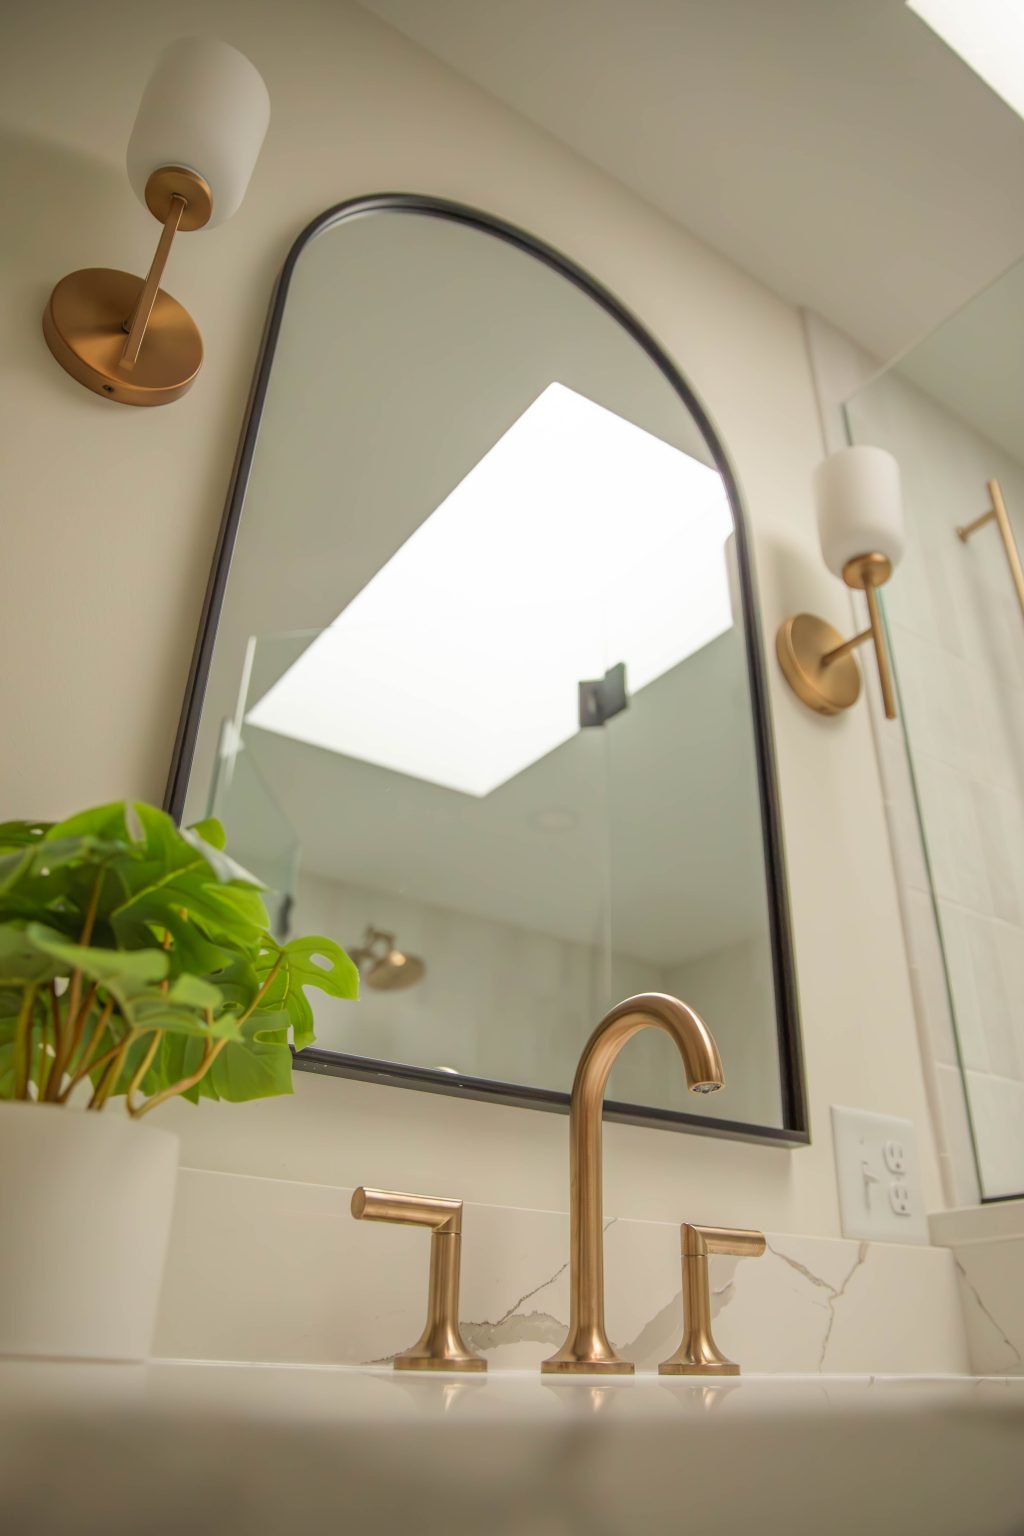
{"x":957,"y":634}
{"x":498,"y":901}
{"x":259,"y":832}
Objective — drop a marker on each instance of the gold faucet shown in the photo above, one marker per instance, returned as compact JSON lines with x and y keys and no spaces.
{"x":440,"y":1347}
{"x":586,"y":1348}
{"x":698,"y":1354}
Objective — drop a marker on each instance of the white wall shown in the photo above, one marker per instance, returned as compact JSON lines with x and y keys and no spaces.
{"x":111,"y":516}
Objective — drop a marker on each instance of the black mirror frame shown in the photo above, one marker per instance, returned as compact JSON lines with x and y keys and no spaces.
{"x":794,"y":1131}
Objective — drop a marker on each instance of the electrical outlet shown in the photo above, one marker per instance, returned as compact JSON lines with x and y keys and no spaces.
{"x":899,"y":1199}
{"x":880,"y":1195}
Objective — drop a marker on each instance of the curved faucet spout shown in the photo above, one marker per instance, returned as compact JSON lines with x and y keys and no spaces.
{"x":587,"y":1348}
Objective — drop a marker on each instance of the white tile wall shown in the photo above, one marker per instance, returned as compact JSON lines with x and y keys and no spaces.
{"x":561,"y":987}
{"x":958,"y":643}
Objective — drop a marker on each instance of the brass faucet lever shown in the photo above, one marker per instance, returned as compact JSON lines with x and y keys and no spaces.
{"x":587,"y":1348}
{"x":440,"y":1347}
{"x":698,"y":1354}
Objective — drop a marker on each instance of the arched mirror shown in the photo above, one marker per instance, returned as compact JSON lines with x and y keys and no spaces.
{"x":479,"y":689}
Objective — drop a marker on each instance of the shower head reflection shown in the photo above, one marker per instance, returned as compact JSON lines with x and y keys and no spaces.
{"x":385,"y":967}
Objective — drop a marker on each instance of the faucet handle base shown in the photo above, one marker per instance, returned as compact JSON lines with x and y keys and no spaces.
{"x":578,"y":1367}
{"x":413,"y":1362}
{"x":698,"y":1368}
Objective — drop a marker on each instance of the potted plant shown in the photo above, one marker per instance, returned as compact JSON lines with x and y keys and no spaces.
{"x":135,"y":966}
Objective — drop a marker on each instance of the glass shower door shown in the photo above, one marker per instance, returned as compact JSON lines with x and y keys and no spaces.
{"x":951,"y":413}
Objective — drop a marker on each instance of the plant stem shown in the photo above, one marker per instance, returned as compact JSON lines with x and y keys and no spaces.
{"x":46,"y":1063}
{"x":23,"y":1043}
{"x":90,"y":911}
{"x":261,"y":994}
{"x":211,"y":1051}
{"x":85,"y":1066}
{"x":141,"y":1070}
{"x":165,"y":944}
{"x":75,"y":987}
{"x":69,"y":1039}
{"x":108,"y":1081}
{"x":78,"y":1027}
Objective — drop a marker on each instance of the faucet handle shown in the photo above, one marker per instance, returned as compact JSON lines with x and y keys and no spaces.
{"x":698,"y":1354}
{"x":440,"y":1347}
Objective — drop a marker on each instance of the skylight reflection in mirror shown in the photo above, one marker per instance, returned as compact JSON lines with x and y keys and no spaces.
{"x":577,"y":542}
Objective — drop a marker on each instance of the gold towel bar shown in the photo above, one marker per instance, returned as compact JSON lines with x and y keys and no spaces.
{"x":998,"y":514}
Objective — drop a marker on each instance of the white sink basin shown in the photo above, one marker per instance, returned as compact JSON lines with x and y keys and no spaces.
{"x":180,"y":1449}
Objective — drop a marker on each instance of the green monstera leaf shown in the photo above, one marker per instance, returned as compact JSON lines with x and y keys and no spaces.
{"x":133,"y":979}
{"x":180,"y":881}
{"x":310,"y":962}
{"x":135,"y":957}
{"x":259,"y":1068}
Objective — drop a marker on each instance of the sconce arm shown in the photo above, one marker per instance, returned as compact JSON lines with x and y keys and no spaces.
{"x":839,"y":651}
{"x":136,"y":326}
{"x":876,"y":633}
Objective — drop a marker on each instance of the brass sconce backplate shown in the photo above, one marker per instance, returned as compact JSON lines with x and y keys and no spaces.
{"x":84,"y":326}
{"x":802,"y":643}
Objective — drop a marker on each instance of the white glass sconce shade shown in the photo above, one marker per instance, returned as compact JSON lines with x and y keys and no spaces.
{"x":205,"y":108}
{"x":860,"y":506}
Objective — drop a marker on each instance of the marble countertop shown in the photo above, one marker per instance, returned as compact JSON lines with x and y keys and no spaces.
{"x":187,"y":1447}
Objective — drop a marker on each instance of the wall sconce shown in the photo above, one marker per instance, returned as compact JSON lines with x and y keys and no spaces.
{"x":860,"y":525}
{"x":197,"y":135}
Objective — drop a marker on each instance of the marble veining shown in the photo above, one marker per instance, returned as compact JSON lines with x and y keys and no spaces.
{"x":809,"y":1304}
{"x":991,"y":1339}
{"x":834,"y":1295}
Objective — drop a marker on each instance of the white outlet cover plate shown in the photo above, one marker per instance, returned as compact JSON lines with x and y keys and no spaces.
{"x":865,"y":1207}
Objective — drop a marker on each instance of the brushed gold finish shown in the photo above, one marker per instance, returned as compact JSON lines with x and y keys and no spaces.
{"x":881,"y":654}
{"x":802,"y":643}
{"x":84,"y":329}
{"x":698,"y":1354}
{"x":90,"y":311}
{"x":867,"y":571}
{"x":440,"y":1347}
{"x":171,"y":181}
{"x":151,"y":287}
{"x":998,"y":514}
{"x":586,"y":1348}
{"x":816,"y":661}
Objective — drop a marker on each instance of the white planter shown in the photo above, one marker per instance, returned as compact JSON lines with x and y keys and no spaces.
{"x":85,"y":1214}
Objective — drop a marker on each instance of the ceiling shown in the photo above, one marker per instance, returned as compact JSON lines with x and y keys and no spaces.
{"x":835,"y":149}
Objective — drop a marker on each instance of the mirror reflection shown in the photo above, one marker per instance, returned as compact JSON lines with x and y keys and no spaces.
{"x":479,"y":704}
